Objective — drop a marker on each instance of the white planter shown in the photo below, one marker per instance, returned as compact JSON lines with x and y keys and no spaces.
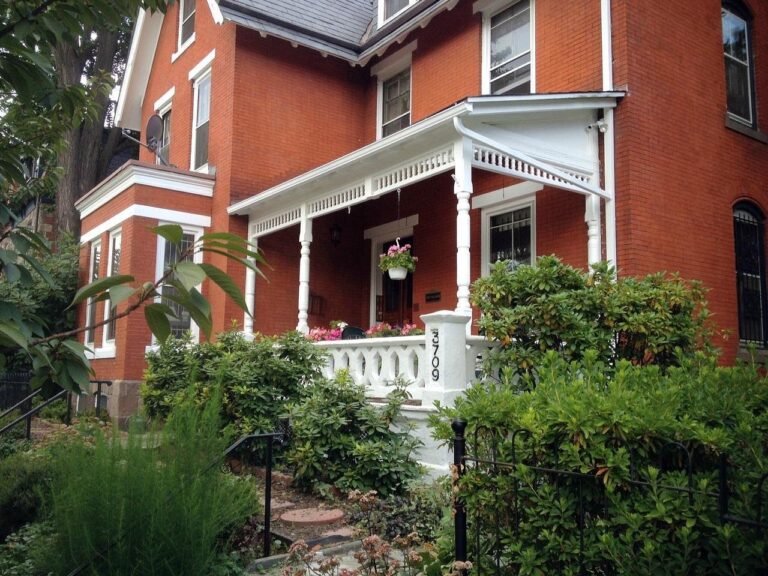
{"x":398,"y":273}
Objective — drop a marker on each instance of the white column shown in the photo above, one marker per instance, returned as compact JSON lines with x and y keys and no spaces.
{"x":305,"y":238}
{"x":610,"y":187}
{"x":594,"y":235}
{"x":250,"y":294}
{"x":446,"y":356}
{"x":462,"y":188}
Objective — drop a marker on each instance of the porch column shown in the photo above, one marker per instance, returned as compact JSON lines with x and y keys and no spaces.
{"x":462,"y":188}
{"x":305,"y":238}
{"x":250,"y":294}
{"x":594,"y":236}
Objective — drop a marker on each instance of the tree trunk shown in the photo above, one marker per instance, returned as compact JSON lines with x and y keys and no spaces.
{"x":85,"y":159}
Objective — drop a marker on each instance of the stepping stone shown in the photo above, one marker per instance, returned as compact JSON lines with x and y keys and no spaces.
{"x":342,"y":532}
{"x":313,"y":516}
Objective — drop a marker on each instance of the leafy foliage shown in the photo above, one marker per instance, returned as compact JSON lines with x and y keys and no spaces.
{"x":615,"y":429}
{"x":24,"y":478}
{"x":258,"y":378}
{"x":339,"y":438}
{"x":152,"y":504}
{"x":23,"y":553}
{"x":532,"y":310}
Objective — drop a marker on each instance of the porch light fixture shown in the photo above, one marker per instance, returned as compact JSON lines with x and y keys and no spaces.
{"x":335,"y":234}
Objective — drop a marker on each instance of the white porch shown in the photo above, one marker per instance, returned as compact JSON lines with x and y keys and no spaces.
{"x":553,"y":140}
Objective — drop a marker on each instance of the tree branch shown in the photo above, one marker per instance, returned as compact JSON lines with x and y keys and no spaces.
{"x":29,"y":17}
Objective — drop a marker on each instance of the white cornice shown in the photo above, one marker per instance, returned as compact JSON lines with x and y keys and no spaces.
{"x":133,"y":174}
{"x":144,"y":211}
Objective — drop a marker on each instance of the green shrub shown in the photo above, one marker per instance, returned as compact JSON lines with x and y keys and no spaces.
{"x":578,"y":418}
{"x":339,"y":438}
{"x":25,"y":551}
{"x":258,"y":377}
{"x":551,"y":306}
{"x":149,"y":504}
{"x":24,"y":478}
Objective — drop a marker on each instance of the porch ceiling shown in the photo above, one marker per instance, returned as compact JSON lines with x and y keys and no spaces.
{"x":543,"y":138}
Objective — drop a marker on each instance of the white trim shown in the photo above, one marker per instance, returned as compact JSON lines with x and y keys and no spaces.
{"x":183,"y":48}
{"x":378,"y":235}
{"x":485,"y":228}
{"x":163,"y":103}
{"x":489,"y":9}
{"x":143,"y":211}
{"x":396,"y":62}
{"x":104,"y":352}
{"x":89,"y":337}
{"x":507,"y":194}
{"x":203,"y":76}
{"x":218,"y":17}
{"x":138,"y":175}
{"x":116,"y":234}
{"x":202,"y":67}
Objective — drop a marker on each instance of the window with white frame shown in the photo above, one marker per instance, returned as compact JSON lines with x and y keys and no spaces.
{"x":201,"y":121}
{"x":739,"y":70}
{"x":396,"y":103}
{"x":113,"y":269}
{"x":93,"y":274}
{"x":164,"y":147}
{"x":186,"y":21}
{"x":168,"y":255}
{"x":508,"y":235}
{"x":507,"y":49}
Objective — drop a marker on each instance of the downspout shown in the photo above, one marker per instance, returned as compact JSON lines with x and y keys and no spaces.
{"x":609,"y":150}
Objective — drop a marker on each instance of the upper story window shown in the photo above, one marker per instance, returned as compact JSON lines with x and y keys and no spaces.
{"x":113,"y":269}
{"x":390,"y":8}
{"x":748,"y":232}
{"x":186,"y":21}
{"x":396,"y":103}
{"x":93,"y":275}
{"x":164,"y":148}
{"x":508,"y":41}
{"x":201,"y":112}
{"x":739,"y":69}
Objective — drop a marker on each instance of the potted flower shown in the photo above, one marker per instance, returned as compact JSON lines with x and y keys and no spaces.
{"x":398,"y":261}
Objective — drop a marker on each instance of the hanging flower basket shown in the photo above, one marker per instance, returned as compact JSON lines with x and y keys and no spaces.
{"x":398,"y":261}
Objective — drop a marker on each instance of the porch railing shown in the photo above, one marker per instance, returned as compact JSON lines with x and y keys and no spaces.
{"x":438,"y":365}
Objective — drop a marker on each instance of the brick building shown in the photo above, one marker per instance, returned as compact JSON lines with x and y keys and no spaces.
{"x":475,"y":130}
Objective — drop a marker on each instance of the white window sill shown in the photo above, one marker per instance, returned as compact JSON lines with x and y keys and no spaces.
{"x":183,"y":48}
{"x":202,"y":169}
{"x":101,"y":353}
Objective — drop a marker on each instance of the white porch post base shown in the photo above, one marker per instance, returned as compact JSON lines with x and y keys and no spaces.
{"x":445,"y":355}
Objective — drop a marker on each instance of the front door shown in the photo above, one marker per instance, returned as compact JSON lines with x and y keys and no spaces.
{"x":396,"y":301}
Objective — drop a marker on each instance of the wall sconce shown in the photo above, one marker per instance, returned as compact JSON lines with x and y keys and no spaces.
{"x":335,"y":234}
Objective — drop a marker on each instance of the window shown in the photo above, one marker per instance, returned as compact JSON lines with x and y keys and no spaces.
{"x":750,"y":273}
{"x":390,"y":8}
{"x":186,"y":21}
{"x":737,"y":51}
{"x":201,"y":122}
{"x":164,"y":148}
{"x":93,"y":274}
{"x":396,"y":103}
{"x":113,"y":269}
{"x":508,"y":41}
{"x":508,"y":235}
{"x":171,"y":254}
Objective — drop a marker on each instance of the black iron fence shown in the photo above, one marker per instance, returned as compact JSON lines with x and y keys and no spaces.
{"x":13,"y":387}
{"x":488,"y":526}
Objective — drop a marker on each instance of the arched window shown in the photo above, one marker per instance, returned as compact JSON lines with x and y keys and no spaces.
{"x":739,"y":67}
{"x":750,"y":272}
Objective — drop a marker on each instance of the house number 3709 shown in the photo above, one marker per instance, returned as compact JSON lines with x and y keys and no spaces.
{"x":435,"y":357}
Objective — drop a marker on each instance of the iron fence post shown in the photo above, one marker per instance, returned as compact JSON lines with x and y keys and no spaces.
{"x":28,"y":423}
{"x":460,"y":518}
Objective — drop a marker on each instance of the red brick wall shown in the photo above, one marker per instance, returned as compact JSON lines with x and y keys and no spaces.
{"x":680,"y":170}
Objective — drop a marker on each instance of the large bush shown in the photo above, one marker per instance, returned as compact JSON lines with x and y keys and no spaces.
{"x":24,"y":479}
{"x":258,"y":378}
{"x":551,"y":306}
{"x":149,"y":504}
{"x":614,"y":429}
{"x":340,"y":439}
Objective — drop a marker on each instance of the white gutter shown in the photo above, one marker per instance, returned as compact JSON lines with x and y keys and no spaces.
{"x":129,"y":68}
{"x":609,"y":149}
{"x":523,"y":157}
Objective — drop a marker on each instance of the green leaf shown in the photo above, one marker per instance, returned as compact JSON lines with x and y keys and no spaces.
{"x":33,"y":262}
{"x":158,"y":323}
{"x":99,"y":286}
{"x":171,"y":232}
{"x":79,"y":372}
{"x":189,"y":274}
{"x":14,"y":334}
{"x":226,"y":284}
{"x":12,"y":272}
{"x":120,"y":293}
